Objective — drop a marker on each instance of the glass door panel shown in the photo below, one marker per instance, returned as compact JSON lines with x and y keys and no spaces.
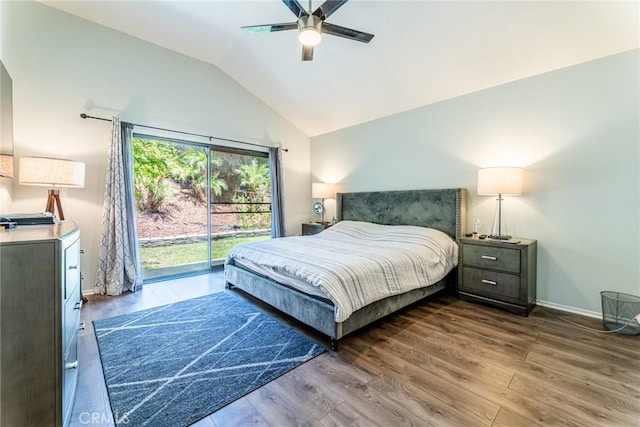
{"x":170,"y":180}
{"x":240,"y":200}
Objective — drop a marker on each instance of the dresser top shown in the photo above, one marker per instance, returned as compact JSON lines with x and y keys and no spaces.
{"x":31,"y":233}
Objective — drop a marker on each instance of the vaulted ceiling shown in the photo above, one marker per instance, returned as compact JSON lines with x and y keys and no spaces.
{"x":423,"y":51}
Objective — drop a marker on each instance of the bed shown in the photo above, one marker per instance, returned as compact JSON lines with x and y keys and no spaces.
{"x":442,"y":210}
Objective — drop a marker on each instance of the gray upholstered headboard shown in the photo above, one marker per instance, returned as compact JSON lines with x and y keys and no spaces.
{"x":444,"y":210}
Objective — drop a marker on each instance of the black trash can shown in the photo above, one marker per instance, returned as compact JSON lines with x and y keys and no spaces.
{"x":619,"y":311}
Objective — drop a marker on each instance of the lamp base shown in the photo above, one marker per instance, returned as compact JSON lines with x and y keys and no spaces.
{"x":53,"y":201}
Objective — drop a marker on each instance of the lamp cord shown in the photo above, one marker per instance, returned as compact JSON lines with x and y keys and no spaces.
{"x":586,"y":327}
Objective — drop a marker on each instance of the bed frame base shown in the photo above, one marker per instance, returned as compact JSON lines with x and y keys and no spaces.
{"x":319,"y":314}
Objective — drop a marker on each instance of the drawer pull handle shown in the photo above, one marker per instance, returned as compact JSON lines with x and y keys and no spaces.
{"x":489,"y":282}
{"x":81,"y":326}
{"x":78,"y":305}
{"x":71,"y":365}
{"x":492,"y":258}
{"x":73,"y":267}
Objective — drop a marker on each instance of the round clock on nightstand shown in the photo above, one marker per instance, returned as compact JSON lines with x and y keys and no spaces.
{"x":318,"y":208}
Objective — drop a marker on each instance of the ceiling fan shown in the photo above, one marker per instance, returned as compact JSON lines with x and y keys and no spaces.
{"x":311,"y":26}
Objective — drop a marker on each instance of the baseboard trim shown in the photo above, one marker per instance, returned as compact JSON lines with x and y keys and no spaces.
{"x":560,"y":307}
{"x":569,"y":309}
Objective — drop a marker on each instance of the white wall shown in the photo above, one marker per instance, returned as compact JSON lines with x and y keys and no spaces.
{"x":576,"y":133}
{"x":63,"y":66}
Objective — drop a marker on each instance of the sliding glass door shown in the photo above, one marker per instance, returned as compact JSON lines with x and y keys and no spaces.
{"x":195,"y":202}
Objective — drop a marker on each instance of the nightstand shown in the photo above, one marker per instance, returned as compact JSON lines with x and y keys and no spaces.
{"x":498,"y":273}
{"x":309,"y":228}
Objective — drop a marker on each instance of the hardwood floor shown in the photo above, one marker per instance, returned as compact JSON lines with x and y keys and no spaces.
{"x":441,"y":362}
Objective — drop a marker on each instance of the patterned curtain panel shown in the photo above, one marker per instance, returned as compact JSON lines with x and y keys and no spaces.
{"x":277,"y":192}
{"x":119,"y":267}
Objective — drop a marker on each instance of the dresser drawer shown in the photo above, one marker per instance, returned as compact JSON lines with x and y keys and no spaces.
{"x":70,"y":376}
{"x":502,"y":259}
{"x":71,"y":318}
{"x":72,"y":268}
{"x":491,"y":283}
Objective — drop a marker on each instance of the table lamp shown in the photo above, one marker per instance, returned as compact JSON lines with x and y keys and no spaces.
{"x":50,"y":172}
{"x":322,"y":190}
{"x":500,"y":181}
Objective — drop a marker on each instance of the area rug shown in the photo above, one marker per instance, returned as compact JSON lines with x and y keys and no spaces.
{"x":174,"y":365}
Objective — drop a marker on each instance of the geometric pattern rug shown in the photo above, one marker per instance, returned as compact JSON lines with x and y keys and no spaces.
{"x":174,"y":365}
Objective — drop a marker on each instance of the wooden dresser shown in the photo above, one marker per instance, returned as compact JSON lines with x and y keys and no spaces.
{"x":40,"y":305}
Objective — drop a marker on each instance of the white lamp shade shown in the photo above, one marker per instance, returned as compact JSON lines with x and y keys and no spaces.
{"x":500,"y":181}
{"x":51,"y":172}
{"x":322,"y":190}
{"x":6,"y":166}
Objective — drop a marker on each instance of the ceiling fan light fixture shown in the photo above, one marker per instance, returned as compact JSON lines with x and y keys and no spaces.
{"x":310,"y":37}
{"x":310,"y":30}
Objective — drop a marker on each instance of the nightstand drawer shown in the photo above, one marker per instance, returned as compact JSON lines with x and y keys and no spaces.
{"x":491,"y":283}
{"x":314,"y":228}
{"x":503,"y":259}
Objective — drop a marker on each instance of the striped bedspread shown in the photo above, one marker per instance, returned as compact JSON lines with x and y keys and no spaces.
{"x":355,"y":263}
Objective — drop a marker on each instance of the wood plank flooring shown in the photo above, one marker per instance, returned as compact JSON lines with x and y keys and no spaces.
{"x":440,"y":362}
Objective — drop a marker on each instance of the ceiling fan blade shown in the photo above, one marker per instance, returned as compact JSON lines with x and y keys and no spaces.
{"x":295,"y":7}
{"x":328,"y":7}
{"x":307,"y":53}
{"x":269,"y":28}
{"x":337,"y":30}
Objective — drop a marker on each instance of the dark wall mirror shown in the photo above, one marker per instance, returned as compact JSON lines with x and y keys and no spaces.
{"x":6,"y":123}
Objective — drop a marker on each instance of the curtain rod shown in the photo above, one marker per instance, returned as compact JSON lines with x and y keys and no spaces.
{"x":86,"y":116}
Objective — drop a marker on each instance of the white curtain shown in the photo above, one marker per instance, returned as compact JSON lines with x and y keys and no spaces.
{"x":277,"y":192}
{"x":119,"y":267}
